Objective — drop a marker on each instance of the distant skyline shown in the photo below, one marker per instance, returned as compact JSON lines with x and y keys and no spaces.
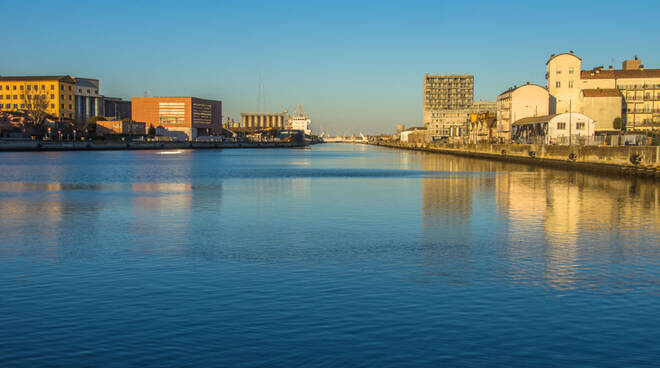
{"x":355,"y":66}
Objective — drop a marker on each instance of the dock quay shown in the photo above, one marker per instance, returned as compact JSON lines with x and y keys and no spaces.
{"x":45,"y":146}
{"x":642,"y":161}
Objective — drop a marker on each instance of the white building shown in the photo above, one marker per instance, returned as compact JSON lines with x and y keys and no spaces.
{"x":566,"y":128}
{"x":88,"y":100}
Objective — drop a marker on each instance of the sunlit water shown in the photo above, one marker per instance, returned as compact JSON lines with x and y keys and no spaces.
{"x":339,"y":255}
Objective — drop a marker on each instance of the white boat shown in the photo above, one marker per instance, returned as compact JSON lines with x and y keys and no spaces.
{"x":300,"y":121}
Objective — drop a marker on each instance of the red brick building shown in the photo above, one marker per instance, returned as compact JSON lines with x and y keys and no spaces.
{"x":182,"y":117}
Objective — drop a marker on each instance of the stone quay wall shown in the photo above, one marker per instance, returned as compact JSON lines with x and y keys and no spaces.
{"x":622,"y":160}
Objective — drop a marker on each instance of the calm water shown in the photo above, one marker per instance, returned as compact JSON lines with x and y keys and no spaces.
{"x":338,"y":255}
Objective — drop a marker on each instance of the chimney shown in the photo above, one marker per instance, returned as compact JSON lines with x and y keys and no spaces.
{"x":611,"y":67}
{"x":571,"y":52}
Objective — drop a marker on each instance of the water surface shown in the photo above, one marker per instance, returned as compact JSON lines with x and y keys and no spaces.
{"x":339,"y":255}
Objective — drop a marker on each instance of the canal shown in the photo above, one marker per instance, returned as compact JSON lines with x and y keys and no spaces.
{"x":338,"y":255}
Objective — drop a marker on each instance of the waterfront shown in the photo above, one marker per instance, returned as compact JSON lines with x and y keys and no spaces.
{"x":338,"y":255}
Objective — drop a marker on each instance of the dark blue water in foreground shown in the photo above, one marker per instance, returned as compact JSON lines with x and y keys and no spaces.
{"x":335,"y":256}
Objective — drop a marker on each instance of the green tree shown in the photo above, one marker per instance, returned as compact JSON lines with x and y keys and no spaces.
{"x":94,"y":119}
{"x":617,"y":124}
{"x":151,"y":131}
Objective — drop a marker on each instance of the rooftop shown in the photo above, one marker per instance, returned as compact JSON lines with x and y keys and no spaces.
{"x":598,"y":92}
{"x":30,"y":78}
{"x":619,"y":73}
{"x":534,"y":119}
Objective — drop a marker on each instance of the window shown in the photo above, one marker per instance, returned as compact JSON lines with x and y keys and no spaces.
{"x":23,"y":97}
{"x":558,"y":71}
{"x":570,"y":84}
{"x":62,"y":105}
{"x":62,"y":88}
{"x":52,"y":87}
{"x":70,"y":106}
{"x":52,"y":106}
{"x":22,"y":106}
{"x":61,"y":97}
{"x":21,"y":88}
{"x":14,"y":88}
{"x":52,"y":96}
{"x":561,"y":126}
{"x":558,"y":84}
{"x":16,"y":106}
{"x":43,"y":86}
{"x":88,"y":91}
{"x":29,"y":87}
{"x":15,"y":97}
{"x":570,"y":70}
{"x":70,"y":88}
{"x":579,"y":126}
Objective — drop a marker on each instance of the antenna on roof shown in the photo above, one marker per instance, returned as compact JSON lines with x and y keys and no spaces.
{"x":146,"y":94}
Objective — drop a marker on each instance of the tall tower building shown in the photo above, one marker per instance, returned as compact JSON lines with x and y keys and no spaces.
{"x":446,"y":101}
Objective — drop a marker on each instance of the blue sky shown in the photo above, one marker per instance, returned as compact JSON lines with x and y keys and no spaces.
{"x":354,"y":65}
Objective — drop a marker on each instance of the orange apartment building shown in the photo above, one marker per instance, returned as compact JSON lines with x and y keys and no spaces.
{"x":179,"y":116}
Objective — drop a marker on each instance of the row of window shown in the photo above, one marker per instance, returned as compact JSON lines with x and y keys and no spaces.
{"x":558,"y":84}
{"x":571,"y":70}
{"x":22,"y":106}
{"x":578,"y":126}
{"x":29,"y":97}
{"x":34,"y":87}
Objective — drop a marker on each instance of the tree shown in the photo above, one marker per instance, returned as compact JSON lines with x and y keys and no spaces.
{"x":151,"y":131}
{"x":35,"y":104}
{"x":617,"y":124}
{"x":94,"y":119}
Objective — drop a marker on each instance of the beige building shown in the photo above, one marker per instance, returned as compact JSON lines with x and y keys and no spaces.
{"x":446,"y":100}
{"x":563,"y":82}
{"x":639,"y":88}
{"x":264,"y":120}
{"x":602,"y":105}
{"x":592,"y":92}
{"x":517,"y":103}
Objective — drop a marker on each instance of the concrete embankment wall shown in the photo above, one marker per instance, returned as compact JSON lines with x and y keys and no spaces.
{"x":614,"y":160}
{"x":100,"y":146}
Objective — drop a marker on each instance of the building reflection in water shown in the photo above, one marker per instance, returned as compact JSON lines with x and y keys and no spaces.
{"x":549,"y":224}
{"x":81,"y":220}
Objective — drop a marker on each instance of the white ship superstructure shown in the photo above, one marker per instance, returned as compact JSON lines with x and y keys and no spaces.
{"x":301,"y":121}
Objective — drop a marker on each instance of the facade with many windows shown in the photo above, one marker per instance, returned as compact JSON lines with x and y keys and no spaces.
{"x":595,"y":92}
{"x":55,"y":92}
{"x":183,"y":117}
{"x":447,"y":100}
